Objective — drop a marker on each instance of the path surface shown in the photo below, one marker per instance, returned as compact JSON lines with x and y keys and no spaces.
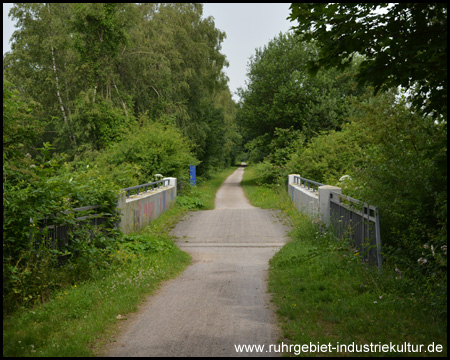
{"x":220,"y":300}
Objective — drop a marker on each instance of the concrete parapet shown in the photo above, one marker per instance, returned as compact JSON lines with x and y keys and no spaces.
{"x":138,"y":210}
{"x":314,"y":203}
{"x":324,"y":201}
{"x":305,"y":200}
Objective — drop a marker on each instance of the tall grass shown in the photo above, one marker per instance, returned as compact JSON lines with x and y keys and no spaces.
{"x":325,"y":294}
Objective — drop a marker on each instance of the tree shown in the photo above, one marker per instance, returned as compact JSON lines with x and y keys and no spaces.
{"x":95,"y":68}
{"x":280,"y":94}
{"x":42,"y":61}
{"x":403,"y":44}
{"x":99,"y":34}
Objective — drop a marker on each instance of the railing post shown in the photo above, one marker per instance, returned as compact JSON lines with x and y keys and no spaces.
{"x":121,"y":208}
{"x":378,"y":238}
{"x":291,"y":181}
{"x":291,"y":178}
{"x":324,"y":201}
{"x":172,"y":182}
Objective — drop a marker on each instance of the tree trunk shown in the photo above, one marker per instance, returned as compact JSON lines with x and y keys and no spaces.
{"x":58,"y":93}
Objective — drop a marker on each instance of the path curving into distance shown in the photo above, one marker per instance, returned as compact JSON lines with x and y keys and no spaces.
{"x":221,"y":299}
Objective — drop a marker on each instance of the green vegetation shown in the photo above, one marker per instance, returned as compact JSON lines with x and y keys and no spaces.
{"x":87,"y":311}
{"x":101,"y":72}
{"x":281,"y":95}
{"x":98,"y":97}
{"x":105,"y":96}
{"x":325,"y":294}
{"x":328,"y":126}
{"x":406,"y":31}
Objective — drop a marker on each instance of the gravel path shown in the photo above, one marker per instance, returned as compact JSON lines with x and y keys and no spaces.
{"x":220,"y":300}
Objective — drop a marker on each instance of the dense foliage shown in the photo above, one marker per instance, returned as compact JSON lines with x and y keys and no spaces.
{"x":403,"y":44}
{"x":98,"y":97}
{"x":156,"y":149}
{"x":281,"y":94}
{"x":97,"y":68}
{"x":328,"y":123}
{"x":42,"y":187}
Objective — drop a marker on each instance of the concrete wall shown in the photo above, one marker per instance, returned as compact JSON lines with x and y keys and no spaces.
{"x":314,"y":203}
{"x":138,"y":210}
{"x":305,"y":200}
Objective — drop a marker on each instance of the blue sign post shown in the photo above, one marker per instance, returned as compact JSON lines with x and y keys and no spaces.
{"x":192,"y":174}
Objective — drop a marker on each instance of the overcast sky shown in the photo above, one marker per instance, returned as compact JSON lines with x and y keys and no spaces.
{"x":247,"y":26}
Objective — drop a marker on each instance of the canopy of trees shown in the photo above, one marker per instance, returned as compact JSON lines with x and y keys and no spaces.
{"x":95,"y":68}
{"x":98,"y":97}
{"x":325,"y":102}
{"x":403,"y":44}
{"x":281,"y":94}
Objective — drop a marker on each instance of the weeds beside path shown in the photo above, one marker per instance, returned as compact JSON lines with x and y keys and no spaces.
{"x":76,"y":318}
{"x":80,"y":318}
{"x":325,"y":295}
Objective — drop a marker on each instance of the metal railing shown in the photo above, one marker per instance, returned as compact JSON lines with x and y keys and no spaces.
{"x":360,"y":222}
{"x":57,"y":235}
{"x":146,"y":186}
{"x":307,"y":183}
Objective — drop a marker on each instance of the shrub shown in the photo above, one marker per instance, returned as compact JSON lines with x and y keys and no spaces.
{"x":151,"y":149}
{"x":397,"y":161}
{"x":45,"y":191}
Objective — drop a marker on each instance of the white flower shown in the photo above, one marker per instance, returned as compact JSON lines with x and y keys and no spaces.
{"x":422,"y":261}
{"x":345,"y":177}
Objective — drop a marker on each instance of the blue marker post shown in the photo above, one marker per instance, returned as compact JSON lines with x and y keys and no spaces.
{"x":192,"y":174}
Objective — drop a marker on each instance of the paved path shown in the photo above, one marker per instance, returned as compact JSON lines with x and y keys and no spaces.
{"x":220,"y":300}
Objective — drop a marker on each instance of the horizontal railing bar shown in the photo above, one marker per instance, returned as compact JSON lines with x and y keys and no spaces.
{"x":143,"y":185}
{"x":84,"y":208}
{"x":362,"y":204}
{"x":298,"y":180}
{"x":152,"y":184}
{"x":308,"y":180}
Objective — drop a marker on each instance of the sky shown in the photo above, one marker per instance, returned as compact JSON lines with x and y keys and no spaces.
{"x":248,"y":26}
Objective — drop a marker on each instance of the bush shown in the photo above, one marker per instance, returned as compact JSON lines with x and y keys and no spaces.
{"x":397,"y":161}
{"x":406,"y":175}
{"x":329,"y":156}
{"x":45,"y":190}
{"x":151,"y":149}
{"x":267,"y":173}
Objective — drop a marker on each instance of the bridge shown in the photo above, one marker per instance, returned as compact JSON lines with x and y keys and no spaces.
{"x":221,"y":300}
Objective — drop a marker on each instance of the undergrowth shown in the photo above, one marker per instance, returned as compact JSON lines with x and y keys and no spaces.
{"x":80,"y":314}
{"x":326,"y":294}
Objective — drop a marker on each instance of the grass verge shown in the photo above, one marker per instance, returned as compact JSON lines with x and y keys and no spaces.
{"x":78,"y":320}
{"x":324,"y":294}
{"x":202,"y":196}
